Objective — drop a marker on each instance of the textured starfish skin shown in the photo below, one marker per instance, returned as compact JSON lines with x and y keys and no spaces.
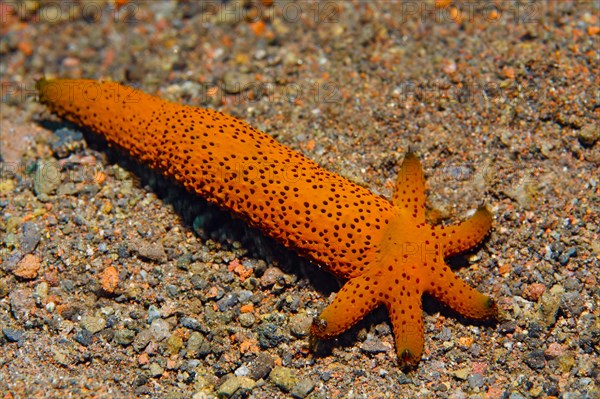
{"x":386,"y":250}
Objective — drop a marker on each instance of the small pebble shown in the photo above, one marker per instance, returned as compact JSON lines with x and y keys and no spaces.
{"x":462,"y":373}
{"x":124,"y":337}
{"x":227,"y":302}
{"x":549,"y":305}
{"x":285,"y":378}
{"x":30,"y":238}
{"x":21,"y":303}
{"x":143,"y":359}
{"x":109,"y":279}
{"x":374,"y":345}
{"x":235,"y":82}
{"x":457,"y":394}
{"x":197,"y":346}
{"x":536,"y":360}
{"x":3,"y":289}
{"x":60,"y":357}
{"x":242,"y":371}
{"x":261,"y":366}
{"x":554,"y":350}
{"x":152,"y":251}
{"x":572,"y":303}
{"x":244,"y":296}
{"x":572,"y":284}
{"x":13,"y":335}
{"x":535,"y":330}
{"x":475,"y":350}
{"x":142,"y":339}
{"x":271,"y":276}
{"x":155,"y":370}
{"x":191,"y":365}
{"x":270,"y":336}
{"x":475,"y":380}
{"x":302,"y":388}
{"x":533,"y":292}
{"x":160,"y":329}
{"x":300,"y":324}
{"x":563,"y":259}
{"x":10,"y":262}
{"x":172,"y":290}
{"x":93,"y":324}
{"x":445,"y":334}
{"x":28,"y":267}
{"x":47,"y":178}
{"x":153,"y":313}
{"x":404,"y":379}
{"x":247,"y":320}
{"x":589,"y":135}
{"x":241,"y":386}
{"x":41,"y":291}
{"x":508,"y":327}
{"x":83,"y":336}
{"x":174,"y":344}
{"x":191,"y":323}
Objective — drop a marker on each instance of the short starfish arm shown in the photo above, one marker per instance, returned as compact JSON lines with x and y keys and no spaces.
{"x":406,"y":315}
{"x":409,"y":192}
{"x":460,"y":237}
{"x":353,"y":302}
{"x":456,"y":294}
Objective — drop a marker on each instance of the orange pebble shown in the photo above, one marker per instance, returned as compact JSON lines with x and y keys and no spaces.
{"x":258,"y":27}
{"x":28,"y":267}
{"x":247,"y":308}
{"x":109,"y":279}
{"x":25,"y":47}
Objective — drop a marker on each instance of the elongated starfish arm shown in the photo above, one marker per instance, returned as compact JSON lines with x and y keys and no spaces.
{"x":409,"y":192}
{"x":352,"y":302}
{"x":462,"y":236}
{"x":228,"y":162}
{"x":406,"y":315}
{"x":456,"y":294}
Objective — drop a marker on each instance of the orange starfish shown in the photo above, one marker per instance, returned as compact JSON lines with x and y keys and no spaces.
{"x":386,"y":250}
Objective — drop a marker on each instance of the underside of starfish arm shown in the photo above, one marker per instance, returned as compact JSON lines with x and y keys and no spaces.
{"x":409,"y":192}
{"x":406,"y":315}
{"x":462,"y":236}
{"x":456,"y":294}
{"x":354,"y":301}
